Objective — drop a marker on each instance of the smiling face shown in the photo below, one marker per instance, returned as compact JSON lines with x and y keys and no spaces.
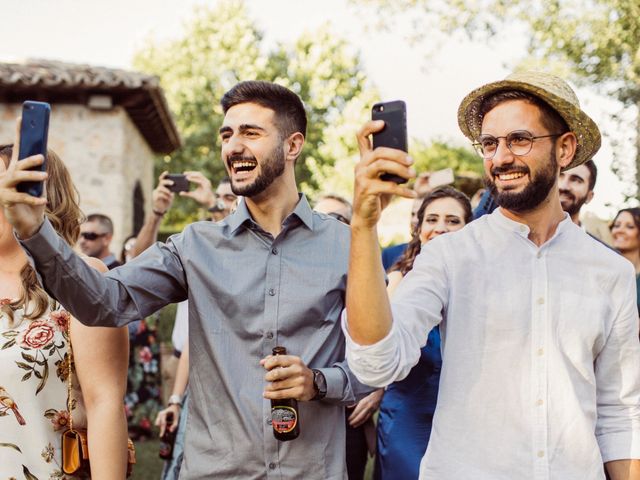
{"x":519,"y":183}
{"x":574,"y":189}
{"x":252,"y":148}
{"x":442,"y":215}
{"x":625,"y":233}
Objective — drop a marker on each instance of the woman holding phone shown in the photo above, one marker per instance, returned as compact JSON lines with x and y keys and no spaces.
{"x":34,"y":350}
{"x":407,"y":407}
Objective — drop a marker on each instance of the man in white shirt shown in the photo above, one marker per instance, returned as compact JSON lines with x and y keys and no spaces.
{"x":541,"y":359}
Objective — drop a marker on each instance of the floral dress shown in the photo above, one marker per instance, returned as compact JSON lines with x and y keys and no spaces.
{"x":34,"y":362}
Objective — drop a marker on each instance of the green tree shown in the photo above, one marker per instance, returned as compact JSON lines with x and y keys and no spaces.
{"x":596,"y":42}
{"x":222,"y":46}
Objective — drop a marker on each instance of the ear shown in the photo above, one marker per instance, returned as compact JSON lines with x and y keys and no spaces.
{"x":566,"y":147}
{"x":293,"y":147}
{"x":589,"y":196}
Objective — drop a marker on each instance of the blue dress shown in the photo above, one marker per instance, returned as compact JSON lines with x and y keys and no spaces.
{"x":406,"y":414}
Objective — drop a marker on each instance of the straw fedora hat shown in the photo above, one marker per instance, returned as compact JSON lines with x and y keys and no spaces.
{"x":554,"y":91}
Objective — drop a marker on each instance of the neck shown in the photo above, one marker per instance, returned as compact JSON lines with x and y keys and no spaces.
{"x":575,"y":218}
{"x":542,"y":220}
{"x":12,"y":258}
{"x":274,"y":204}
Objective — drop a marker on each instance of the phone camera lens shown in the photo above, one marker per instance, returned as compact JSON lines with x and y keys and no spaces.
{"x":382,"y":108}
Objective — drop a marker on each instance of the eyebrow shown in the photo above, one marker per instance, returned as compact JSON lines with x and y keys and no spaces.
{"x":242,"y":128}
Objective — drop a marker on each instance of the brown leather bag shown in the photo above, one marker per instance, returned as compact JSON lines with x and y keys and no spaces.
{"x":75,"y":445}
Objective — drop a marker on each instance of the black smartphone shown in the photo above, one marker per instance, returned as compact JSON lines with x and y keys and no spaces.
{"x":34,"y":131}
{"x":180,"y":182}
{"x":394,"y":133}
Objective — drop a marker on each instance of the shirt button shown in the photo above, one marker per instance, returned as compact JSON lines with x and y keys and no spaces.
{"x":272,"y":292}
{"x":274,"y":250}
{"x":269,"y":335}
{"x":539,"y":255}
{"x":540,"y":301}
{"x":272,"y":466}
{"x":539,"y":402}
{"x":541,"y":351}
{"x":540,"y":454}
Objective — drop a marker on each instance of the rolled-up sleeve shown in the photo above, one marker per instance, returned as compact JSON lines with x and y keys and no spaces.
{"x":417,"y":307}
{"x":617,"y":372}
{"x":125,"y":294}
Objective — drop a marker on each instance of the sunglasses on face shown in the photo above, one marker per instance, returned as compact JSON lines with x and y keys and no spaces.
{"x":91,"y":235}
{"x":337,"y":216}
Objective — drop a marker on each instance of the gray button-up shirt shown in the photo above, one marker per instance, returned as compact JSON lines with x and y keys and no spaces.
{"x":248,"y":292}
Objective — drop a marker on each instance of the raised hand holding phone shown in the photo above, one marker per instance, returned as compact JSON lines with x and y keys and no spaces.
{"x":22,"y":210}
{"x":34,"y":132}
{"x":371,"y":192}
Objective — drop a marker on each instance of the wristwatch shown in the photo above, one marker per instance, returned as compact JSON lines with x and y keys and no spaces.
{"x":175,"y":399}
{"x":319,"y":384}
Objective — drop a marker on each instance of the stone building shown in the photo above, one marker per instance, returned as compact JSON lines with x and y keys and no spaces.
{"x":106,"y":124}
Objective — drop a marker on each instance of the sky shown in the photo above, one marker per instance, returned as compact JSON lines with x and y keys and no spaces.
{"x":109,"y":33}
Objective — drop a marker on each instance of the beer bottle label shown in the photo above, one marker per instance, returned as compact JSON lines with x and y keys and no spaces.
{"x":283,"y":419}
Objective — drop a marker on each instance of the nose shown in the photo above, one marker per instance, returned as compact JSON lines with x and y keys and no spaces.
{"x":503,"y":155}
{"x":440,"y":227}
{"x":233,"y":146}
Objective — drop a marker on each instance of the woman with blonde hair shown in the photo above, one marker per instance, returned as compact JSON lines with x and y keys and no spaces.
{"x":35,"y":336}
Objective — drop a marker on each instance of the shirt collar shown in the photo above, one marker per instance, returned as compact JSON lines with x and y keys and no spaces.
{"x":241,"y":216}
{"x":521,"y":229}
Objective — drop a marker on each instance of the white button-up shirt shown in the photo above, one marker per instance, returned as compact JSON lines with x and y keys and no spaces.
{"x":541,"y":359}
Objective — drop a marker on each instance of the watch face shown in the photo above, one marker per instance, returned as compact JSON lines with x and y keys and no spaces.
{"x":320,"y":381}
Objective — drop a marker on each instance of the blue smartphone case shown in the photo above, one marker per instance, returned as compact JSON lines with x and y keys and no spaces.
{"x":34,"y":131}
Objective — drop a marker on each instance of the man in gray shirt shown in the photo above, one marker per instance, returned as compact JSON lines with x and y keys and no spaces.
{"x":272,"y":273}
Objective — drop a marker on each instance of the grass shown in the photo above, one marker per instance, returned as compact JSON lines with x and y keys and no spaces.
{"x":149,"y":465}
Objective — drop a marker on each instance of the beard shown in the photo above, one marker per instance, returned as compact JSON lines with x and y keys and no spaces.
{"x":270,"y":169}
{"x":573,"y":204}
{"x":532,"y":195}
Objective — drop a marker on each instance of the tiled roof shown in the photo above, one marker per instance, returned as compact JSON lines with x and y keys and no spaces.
{"x":57,"y":82}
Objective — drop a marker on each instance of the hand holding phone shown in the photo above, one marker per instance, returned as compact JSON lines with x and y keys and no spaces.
{"x":180,"y":182}
{"x":34,"y":131}
{"x":394,"y":133}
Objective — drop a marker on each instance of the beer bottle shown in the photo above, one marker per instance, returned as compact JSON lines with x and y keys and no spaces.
{"x":284,"y":413}
{"x":167,"y":440}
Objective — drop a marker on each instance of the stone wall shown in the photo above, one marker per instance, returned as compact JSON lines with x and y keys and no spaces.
{"x":105,"y":154}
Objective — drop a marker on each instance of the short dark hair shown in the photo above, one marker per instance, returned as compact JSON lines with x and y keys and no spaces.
{"x":224,"y":180}
{"x":102,"y":220}
{"x":549,"y":117}
{"x":593,"y":173}
{"x":289,"y":110}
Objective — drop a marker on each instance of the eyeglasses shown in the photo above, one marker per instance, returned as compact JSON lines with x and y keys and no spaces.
{"x":337,"y":216}
{"x":519,"y":142}
{"x":91,"y":235}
